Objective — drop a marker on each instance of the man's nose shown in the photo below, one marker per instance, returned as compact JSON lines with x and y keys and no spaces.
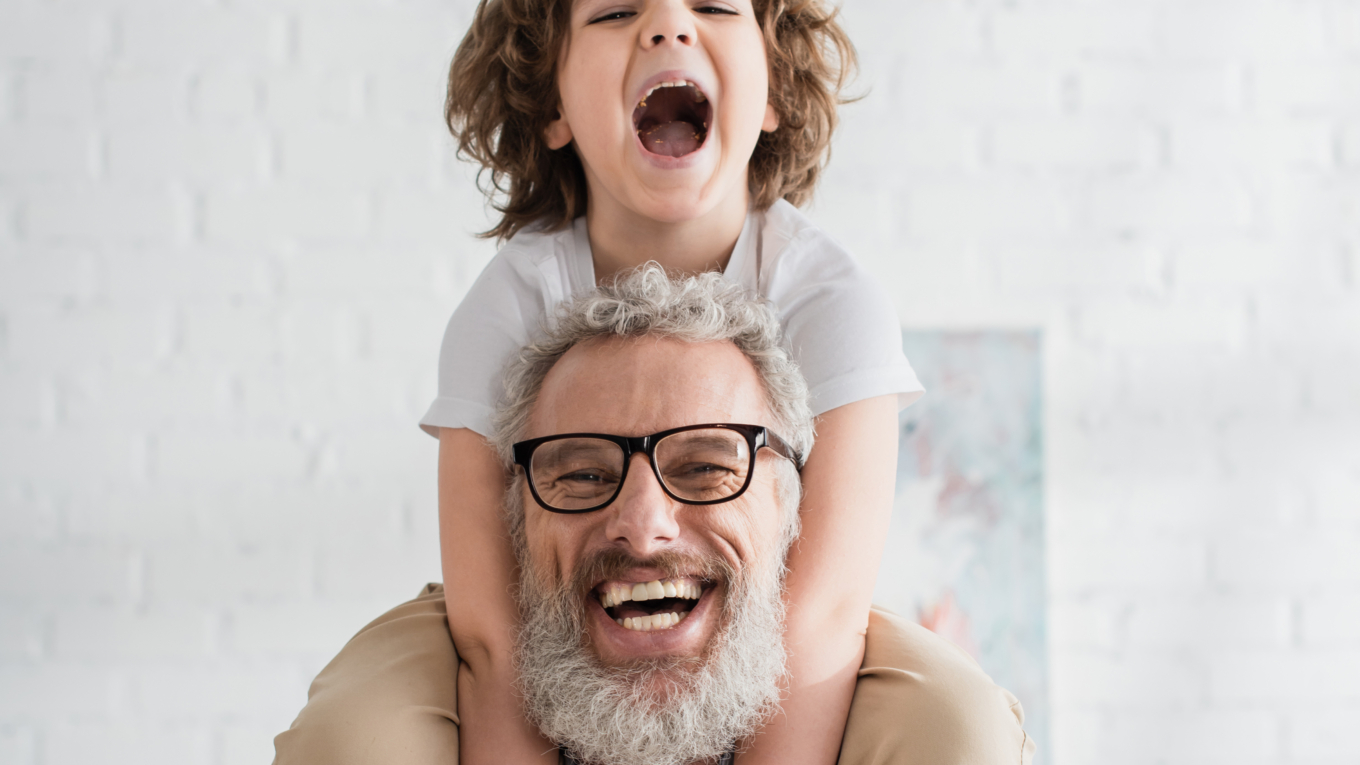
{"x":667,"y":22}
{"x":642,"y":518}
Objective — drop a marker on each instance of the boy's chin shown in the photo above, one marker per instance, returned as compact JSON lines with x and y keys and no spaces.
{"x":687,"y":195}
{"x":676,"y":211}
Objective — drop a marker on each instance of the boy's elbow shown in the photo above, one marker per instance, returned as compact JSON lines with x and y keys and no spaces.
{"x":482,"y":651}
{"x":838,"y":630}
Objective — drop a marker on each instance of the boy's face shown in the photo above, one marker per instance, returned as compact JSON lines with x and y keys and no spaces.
{"x":666,"y":153}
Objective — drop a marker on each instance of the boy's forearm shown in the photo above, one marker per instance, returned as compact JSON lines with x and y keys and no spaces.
{"x":811,"y":720}
{"x":492,"y":729}
{"x":848,"y":487}
{"x":479,"y":569}
{"x":478,"y":560}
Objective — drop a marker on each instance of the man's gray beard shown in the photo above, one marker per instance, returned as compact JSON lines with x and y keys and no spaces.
{"x":663,"y":712}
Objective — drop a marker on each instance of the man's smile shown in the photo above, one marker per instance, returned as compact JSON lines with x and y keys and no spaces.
{"x":666,"y":607}
{"x":646,"y":606}
{"x":656,"y":628}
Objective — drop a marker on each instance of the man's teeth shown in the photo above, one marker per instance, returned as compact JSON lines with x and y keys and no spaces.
{"x":652,"y":590}
{"x":653,"y":622}
{"x":699,"y":96}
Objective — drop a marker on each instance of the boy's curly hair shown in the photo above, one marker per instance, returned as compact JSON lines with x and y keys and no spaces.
{"x":503,"y":93}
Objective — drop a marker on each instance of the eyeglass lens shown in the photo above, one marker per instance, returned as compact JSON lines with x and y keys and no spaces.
{"x":695,"y":465}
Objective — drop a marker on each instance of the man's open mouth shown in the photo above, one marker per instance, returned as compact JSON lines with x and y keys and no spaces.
{"x":672,"y":118}
{"x":645,"y":606}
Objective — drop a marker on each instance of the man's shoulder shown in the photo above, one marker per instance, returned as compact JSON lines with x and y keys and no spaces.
{"x":898,"y":639}
{"x":390,"y":695}
{"x":922,"y":699}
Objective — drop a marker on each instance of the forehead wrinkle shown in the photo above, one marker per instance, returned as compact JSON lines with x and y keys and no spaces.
{"x":636,"y":386}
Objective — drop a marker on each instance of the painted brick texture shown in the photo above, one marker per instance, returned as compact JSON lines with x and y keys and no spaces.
{"x":231,"y":232}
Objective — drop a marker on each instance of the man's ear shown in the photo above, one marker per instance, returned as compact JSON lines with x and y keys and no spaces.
{"x":558,"y":133}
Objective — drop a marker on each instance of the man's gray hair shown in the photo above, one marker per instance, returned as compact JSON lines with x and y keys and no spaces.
{"x":647,"y":302}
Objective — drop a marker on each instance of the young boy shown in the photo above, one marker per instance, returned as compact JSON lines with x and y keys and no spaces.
{"x":679,"y":131}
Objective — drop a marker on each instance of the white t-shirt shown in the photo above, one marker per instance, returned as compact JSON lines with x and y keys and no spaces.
{"x":838,"y":322}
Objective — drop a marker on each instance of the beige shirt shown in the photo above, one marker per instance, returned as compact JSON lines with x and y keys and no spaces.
{"x":390,"y":698}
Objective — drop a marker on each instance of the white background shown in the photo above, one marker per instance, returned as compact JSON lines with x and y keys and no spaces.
{"x":231,"y":232}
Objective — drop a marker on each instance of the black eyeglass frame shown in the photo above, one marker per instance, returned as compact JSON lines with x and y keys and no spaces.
{"x":757,"y":436}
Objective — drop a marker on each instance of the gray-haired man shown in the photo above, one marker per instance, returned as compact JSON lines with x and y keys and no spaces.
{"x":654,"y":434}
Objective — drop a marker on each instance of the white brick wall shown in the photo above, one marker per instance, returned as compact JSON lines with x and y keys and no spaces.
{"x":231,"y":232}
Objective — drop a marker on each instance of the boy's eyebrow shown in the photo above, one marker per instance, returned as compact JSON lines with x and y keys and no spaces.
{"x":575,"y":5}
{"x":591,"y":6}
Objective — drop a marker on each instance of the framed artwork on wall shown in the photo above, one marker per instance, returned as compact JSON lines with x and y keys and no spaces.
{"x":965,"y":549}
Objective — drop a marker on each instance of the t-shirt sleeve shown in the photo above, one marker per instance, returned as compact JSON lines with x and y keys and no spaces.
{"x":490,"y":325}
{"x":842,"y":330}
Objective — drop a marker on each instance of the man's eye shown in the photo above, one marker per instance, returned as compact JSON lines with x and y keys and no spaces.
{"x":585,"y":476}
{"x":699,"y":470}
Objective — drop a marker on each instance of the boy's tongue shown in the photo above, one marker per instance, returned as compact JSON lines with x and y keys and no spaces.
{"x":672,"y":139}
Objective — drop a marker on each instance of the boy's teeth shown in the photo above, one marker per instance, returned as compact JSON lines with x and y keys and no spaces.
{"x":699,"y":96}
{"x":653,"y":622}
{"x":653,"y":590}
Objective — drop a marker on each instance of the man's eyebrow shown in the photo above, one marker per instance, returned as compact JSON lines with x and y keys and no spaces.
{"x":711,"y":440}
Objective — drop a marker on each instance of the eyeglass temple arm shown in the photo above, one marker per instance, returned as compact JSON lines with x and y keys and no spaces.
{"x":782,"y":448}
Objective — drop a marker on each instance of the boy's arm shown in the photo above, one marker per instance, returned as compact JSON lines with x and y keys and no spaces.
{"x":847,"y":502}
{"x":479,"y":570}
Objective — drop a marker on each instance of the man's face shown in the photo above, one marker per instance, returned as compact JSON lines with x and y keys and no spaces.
{"x":665,"y":694}
{"x":635,"y":387}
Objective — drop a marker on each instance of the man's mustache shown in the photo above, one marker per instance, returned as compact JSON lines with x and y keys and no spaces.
{"x":615,"y":564}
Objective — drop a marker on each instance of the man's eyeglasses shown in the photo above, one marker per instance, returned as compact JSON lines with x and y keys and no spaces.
{"x":696,"y":464}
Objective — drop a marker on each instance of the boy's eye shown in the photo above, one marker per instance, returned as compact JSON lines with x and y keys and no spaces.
{"x":611,"y":16}
{"x":715,"y":10}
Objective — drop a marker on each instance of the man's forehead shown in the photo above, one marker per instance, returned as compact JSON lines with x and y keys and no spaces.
{"x":634,"y":386}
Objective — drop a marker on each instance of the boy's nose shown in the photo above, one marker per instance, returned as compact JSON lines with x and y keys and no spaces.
{"x":642,"y":518}
{"x":668,"y":21}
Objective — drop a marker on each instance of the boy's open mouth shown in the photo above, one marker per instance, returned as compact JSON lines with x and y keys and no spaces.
{"x":672,"y":118}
